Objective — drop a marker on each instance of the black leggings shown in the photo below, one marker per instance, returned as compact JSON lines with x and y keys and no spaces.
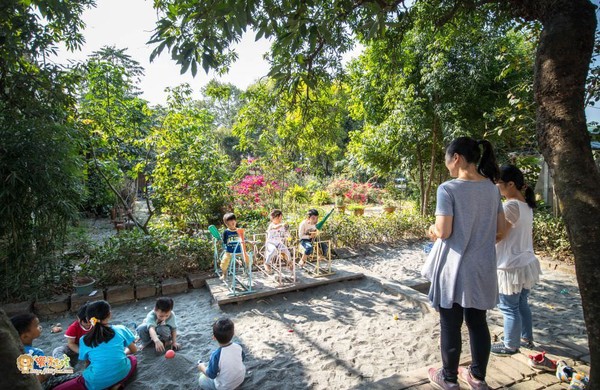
{"x":479,"y":337}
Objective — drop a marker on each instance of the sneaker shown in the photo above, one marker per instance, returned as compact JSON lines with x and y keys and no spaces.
{"x":541,"y":362}
{"x":500,"y":349}
{"x":464,"y":375}
{"x":579,"y":381}
{"x":564,"y":372}
{"x":436,"y":379}
{"x":527,"y":344}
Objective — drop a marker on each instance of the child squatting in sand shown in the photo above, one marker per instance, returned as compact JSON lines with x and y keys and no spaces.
{"x":226,"y":369}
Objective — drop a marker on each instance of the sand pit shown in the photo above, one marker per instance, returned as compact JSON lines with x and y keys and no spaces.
{"x":340,"y":336}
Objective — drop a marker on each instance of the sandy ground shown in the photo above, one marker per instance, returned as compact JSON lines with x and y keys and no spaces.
{"x":340,"y":336}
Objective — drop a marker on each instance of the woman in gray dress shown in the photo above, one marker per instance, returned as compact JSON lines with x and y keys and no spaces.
{"x":462,"y":262}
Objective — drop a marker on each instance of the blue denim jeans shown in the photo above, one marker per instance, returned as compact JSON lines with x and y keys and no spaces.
{"x":307,"y":247}
{"x":206,"y":383}
{"x":517,"y":318}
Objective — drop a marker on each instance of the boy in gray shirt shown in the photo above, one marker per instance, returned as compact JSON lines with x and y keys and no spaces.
{"x":160,"y":326}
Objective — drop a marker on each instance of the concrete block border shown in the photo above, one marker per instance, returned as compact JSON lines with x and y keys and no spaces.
{"x":115,"y":295}
{"x":174,"y":286}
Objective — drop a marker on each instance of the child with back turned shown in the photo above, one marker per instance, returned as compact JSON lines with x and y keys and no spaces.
{"x":226,"y":369}
{"x":107,"y":348}
{"x":518,"y":268}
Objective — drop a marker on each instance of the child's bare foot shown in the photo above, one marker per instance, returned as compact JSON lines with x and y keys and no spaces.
{"x":268,"y":269}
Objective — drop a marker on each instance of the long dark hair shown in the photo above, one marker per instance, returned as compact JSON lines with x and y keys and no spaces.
{"x":100,"y":333}
{"x":469,"y":149}
{"x":514,"y":174}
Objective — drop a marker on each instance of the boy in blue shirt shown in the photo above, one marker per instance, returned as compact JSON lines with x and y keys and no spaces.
{"x":226,"y":369}
{"x":160,"y":326}
{"x":29,"y":328}
{"x":231,"y":240}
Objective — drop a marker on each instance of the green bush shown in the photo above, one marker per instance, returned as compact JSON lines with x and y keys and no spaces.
{"x":296,"y":194}
{"x":353,"y":231}
{"x":133,"y":256}
{"x":321,"y":197}
{"x":550,"y":235}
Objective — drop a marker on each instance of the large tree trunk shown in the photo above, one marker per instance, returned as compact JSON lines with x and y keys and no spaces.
{"x":561,"y":67}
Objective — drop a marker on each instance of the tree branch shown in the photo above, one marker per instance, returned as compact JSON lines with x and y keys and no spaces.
{"x":114,"y":190}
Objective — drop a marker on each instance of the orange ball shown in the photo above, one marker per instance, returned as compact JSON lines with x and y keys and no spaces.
{"x":170,"y":354}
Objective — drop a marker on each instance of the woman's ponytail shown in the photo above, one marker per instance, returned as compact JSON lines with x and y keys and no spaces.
{"x":488,"y":166}
{"x":469,"y":149}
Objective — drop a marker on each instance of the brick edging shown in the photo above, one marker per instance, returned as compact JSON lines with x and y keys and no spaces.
{"x":115,"y":295}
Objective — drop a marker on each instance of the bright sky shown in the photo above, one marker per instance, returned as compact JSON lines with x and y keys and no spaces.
{"x":129,"y":24}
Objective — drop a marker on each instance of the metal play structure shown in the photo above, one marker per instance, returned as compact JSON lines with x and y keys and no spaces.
{"x":238,"y":277}
{"x":319,"y":262}
{"x":282,"y":269}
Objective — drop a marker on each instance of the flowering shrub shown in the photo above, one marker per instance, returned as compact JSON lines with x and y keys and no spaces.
{"x":355,"y":192}
{"x":254,"y":191}
{"x":339,"y":187}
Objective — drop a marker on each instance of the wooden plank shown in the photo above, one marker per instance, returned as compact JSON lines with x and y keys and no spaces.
{"x":416,"y":378}
{"x":496,"y":379}
{"x":546,"y":379}
{"x":515,"y":362}
{"x":527,"y":385}
{"x":414,"y":295}
{"x":558,"y":386}
{"x":221,"y":293}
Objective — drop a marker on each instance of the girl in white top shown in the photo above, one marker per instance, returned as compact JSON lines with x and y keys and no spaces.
{"x":277,"y":234}
{"x":518,"y":268}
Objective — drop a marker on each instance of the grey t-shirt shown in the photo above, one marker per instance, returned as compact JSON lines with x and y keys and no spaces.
{"x":464,"y":269}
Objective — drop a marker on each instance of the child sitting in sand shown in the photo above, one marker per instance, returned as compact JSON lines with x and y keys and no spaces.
{"x":307,"y":232}
{"x":107,"y":348}
{"x":79,"y":328}
{"x":226,"y":369}
{"x":160,"y":326}
{"x":29,"y":328}
{"x":277,"y":233}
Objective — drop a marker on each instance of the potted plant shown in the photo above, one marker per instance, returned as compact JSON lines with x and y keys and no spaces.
{"x":389,"y":206}
{"x":339,"y":203}
{"x":358,"y":209}
{"x":83,"y":282}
